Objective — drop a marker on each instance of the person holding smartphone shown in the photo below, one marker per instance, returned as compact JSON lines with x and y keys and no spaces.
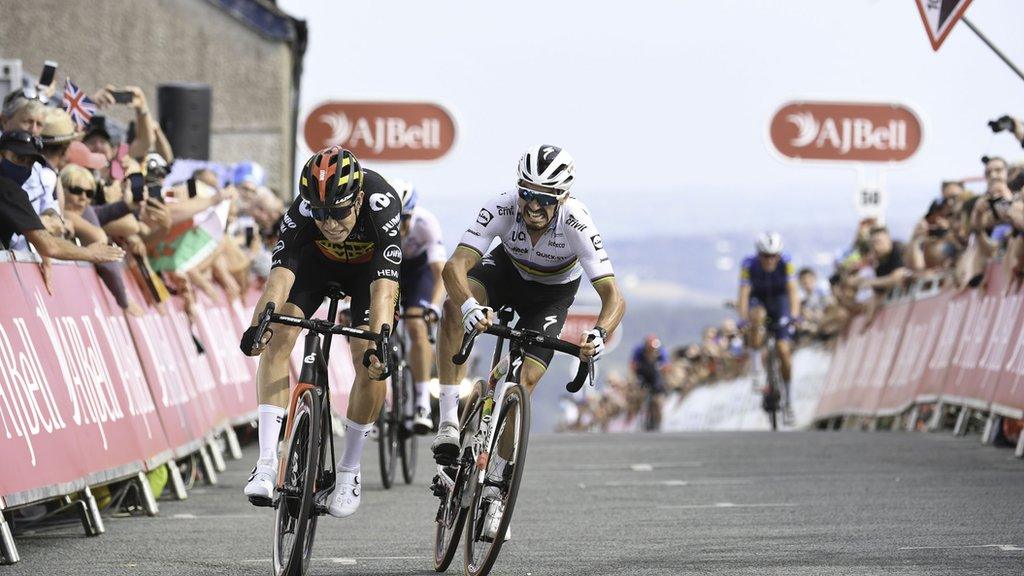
{"x":132,"y":96}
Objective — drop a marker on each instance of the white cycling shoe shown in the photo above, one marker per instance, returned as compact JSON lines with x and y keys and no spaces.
{"x":421,"y":422}
{"x":446,"y":444}
{"x":492,"y":519}
{"x":345,"y":500}
{"x":260,"y":487}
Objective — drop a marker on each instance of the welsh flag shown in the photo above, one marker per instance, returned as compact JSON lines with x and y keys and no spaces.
{"x":190,"y":243}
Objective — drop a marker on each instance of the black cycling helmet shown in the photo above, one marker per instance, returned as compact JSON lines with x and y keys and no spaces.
{"x":331,"y":176}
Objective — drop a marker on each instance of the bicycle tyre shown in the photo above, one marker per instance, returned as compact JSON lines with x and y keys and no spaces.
{"x":772,"y":393}
{"x":446,"y":541}
{"x":387,"y":434}
{"x":295,"y":511}
{"x":516,"y":398}
{"x":407,"y":445}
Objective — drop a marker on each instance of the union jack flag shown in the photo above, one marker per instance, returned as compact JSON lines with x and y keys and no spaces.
{"x":77,"y":104}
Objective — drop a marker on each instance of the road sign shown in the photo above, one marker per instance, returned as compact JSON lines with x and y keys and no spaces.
{"x":870,"y":202}
{"x":939,"y":17}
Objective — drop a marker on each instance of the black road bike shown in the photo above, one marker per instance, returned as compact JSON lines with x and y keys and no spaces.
{"x":395,"y":439}
{"x":307,"y":469}
{"x":462,"y":482}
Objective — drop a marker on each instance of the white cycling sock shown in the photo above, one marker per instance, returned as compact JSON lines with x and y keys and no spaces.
{"x":355,"y":438}
{"x":270,"y":419}
{"x":449,"y":401}
{"x":422,"y":395}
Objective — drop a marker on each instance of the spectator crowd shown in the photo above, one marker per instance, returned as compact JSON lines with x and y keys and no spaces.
{"x":78,"y":184}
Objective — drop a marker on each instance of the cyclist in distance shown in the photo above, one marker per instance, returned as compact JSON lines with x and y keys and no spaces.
{"x":423,"y":258}
{"x":547,"y":242}
{"x":342,"y":228}
{"x":647,"y":363}
{"x":769,"y":293}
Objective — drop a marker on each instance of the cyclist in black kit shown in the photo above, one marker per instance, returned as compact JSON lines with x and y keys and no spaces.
{"x":343,"y":228}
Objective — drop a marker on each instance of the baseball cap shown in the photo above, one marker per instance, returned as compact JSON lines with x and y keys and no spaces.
{"x":80,"y":154}
{"x":21,"y":143}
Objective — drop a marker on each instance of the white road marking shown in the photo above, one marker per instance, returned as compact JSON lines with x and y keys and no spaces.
{"x":185,"y":516}
{"x":348,"y":560}
{"x":1003,"y":547}
{"x":215,"y":516}
{"x":641,"y":467}
{"x":650,"y":483}
{"x":724,"y":505}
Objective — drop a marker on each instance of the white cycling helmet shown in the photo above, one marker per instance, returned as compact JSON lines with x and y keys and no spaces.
{"x":769,"y":243}
{"x":406,"y":193}
{"x":547,"y":166}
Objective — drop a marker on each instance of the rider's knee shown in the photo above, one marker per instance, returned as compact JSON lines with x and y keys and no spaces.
{"x":282,"y":342}
{"x":417,"y":329}
{"x":451,"y":311}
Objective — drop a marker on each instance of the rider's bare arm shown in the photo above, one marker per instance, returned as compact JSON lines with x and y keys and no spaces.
{"x":613,"y":305}
{"x":743,"y":302}
{"x":279,"y":284}
{"x":437,"y":269}
{"x":383,"y":297}
{"x":794,"y":298}
{"x":455,"y":271}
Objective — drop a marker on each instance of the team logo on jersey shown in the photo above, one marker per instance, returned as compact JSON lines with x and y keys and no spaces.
{"x":575,"y":224}
{"x":349,"y":252}
{"x":596,"y":241}
{"x":548,"y":321}
{"x":287,"y":223}
{"x":393,"y":254}
{"x":379,"y":201}
{"x":484,"y":217}
{"x":505,"y":210}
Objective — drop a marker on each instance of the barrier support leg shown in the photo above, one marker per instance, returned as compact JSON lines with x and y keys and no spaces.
{"x":872,"y":424}
{"x":1019,"y":452}
{"x":91,"y":518}
{"x":177,"y":483}
{"x":209,"y":474}
{"x":912,"y":419}
{"x":216,"y":454}
{"x":146,"y":495}
{"x":8,"y":551}
{"x":961,"y":421}
{"x":234,"y":449}
{"x":935,"y":424}
{"x":992,"y":423}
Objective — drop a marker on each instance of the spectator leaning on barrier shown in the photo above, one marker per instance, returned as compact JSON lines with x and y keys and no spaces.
{"x":26,"y":169}
{"x":887,"y":255}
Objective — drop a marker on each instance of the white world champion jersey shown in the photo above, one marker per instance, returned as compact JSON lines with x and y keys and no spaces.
{"x":570,"y":246}
{"x":424,"y":236}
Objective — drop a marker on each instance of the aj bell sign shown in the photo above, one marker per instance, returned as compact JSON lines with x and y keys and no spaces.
{"x":845,"y":131}
{"x":382,"y":130}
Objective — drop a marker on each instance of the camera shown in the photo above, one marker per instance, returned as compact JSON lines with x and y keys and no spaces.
{"x":1004,"y":122}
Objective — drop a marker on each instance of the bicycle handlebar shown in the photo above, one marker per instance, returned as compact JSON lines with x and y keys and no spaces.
{"x":268,"y":317}
{"x":531,"y":337}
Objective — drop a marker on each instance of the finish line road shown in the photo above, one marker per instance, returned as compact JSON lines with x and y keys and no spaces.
{"x":798,"y":503}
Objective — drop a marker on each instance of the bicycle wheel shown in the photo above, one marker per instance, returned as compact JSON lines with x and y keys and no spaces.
{"x":407,"y":446}
{"x":295,"y":522}
{"x":514,"y":421}
{"x":451,"y":515}
{"x":387,"y":427}
{"x":771,"y":398}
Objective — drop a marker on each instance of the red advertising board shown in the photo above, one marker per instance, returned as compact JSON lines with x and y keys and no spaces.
{"x":845,"y":131}
{"x":930,"y":386}
{"x":848,"y":362}
{"x":888,"y":330}
{"x":219,"y":334}
{"x":69,"y":416}
{"x":965,"y":373}
{"x":920,"y":337}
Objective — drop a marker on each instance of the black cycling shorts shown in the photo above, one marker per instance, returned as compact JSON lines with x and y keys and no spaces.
{"x":315,"y":272}
{"x":541,"y":307}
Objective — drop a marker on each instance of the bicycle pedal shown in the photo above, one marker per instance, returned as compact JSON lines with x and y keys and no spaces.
{"x":262,"y":501}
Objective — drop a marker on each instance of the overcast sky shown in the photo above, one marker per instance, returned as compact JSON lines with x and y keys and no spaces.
{"x":665,"y":105}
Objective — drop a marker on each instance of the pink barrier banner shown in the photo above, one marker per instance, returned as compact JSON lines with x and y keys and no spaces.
{"x":219,"y":333}
{"x":1005,"y":329}
{"x":73,"y":407}
{"x":185,"y":420}
{"x":1007,"y":397}
{"x":847,"y":362}
{"x":929,"y":387}
{"x":887,"y":333}
{"x":965,"y":374}
{"x":920,"y":337}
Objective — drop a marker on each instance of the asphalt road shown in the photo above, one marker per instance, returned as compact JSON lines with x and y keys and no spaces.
{"x":811,"y":503}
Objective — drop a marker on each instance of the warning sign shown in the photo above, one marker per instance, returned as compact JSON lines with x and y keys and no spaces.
{"x":939,"y":17}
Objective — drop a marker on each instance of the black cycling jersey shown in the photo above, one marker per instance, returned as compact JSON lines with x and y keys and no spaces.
{"x":371,"y":251}
{"x":374,"y":239}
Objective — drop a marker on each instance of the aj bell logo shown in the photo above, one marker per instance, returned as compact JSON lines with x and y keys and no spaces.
{"x":382,"y":132}
{"x":845,"y":134}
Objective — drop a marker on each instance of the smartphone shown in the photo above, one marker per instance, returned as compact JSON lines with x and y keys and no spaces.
{"x":49,"y":70}
{"x":137,"y":185}
{"x":122,"y":96}
{"x":116,"y":169}
{"x":192,"y":188}
{"x":156,"y":193}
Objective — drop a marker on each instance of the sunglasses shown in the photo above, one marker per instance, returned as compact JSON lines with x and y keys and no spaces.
{"x":29,"y":93}
{"x":332,"y":212}
{"x":89,"y":192}
{"x":541,"y":198}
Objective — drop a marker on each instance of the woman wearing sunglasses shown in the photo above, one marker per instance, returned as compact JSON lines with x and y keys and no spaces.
{"x":79,"y":190}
